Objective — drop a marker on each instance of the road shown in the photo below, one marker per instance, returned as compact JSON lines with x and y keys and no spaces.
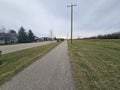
{"x":51,"y":72}
{"x":12,"y":48}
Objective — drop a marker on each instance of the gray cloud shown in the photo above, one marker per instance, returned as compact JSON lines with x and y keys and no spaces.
{"x":91,"y":17}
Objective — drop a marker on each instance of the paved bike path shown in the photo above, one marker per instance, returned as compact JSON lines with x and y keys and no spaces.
{"x":51,"y":72}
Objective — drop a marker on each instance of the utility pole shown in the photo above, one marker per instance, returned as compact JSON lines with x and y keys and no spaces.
{"x":71,"y":6}
{"x":67,"y":36}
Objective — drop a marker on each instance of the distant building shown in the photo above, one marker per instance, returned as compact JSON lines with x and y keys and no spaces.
{"x":2,"y":38}
{"x":8,"y":38}
{"x":37,"y":39}
{"x":45,"y":38}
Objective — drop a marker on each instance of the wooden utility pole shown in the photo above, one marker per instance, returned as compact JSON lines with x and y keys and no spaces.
{"x":67,"y":36}
{"x":71,"y":6}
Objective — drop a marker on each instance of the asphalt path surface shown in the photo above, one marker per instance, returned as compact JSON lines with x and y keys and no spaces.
{"x":51,"y":72}
{"x":12,"y":48}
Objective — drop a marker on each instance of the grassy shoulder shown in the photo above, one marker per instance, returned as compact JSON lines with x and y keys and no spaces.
{"x":96,"y":64}
{"x":12,"y":63}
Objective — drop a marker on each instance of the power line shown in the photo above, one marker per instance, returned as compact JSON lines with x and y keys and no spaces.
{"x":71,"y":6}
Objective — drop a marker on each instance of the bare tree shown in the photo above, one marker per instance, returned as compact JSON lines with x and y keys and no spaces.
{"x":51,"y":34}
{"x":4,"y":35}
{"x":3,"y":29}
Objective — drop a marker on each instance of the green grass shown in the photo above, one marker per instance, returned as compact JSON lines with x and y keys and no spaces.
{"x":96,"y":64}
{"x":12,"y":63}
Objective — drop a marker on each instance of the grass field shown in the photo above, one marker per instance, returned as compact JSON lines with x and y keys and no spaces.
{"x":12,"y":63}
{"x":96,"y":64}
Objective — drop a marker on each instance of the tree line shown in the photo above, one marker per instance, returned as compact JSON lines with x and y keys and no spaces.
{"x":115,"y":35}
{"x":22,"y":36}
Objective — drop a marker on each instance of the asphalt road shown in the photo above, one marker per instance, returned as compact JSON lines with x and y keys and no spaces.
{"x":51,"y":72}
{"x":12,"y":48}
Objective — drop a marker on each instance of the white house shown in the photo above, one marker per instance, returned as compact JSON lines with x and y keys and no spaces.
{"x":8,"y":38}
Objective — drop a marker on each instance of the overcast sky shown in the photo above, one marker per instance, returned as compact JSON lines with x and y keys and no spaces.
{"x":91,"y":17}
